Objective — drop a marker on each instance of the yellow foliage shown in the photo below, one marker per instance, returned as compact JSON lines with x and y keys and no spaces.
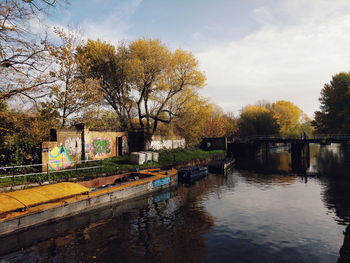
{"x":216,"y":125}
{"x":288,"y":116}
{"x":71,"y":92}
{"x":193,"y":117}
{"x":253,"y":109}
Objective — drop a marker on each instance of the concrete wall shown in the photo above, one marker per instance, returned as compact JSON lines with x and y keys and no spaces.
{"x":68,"y":146}
{"x":51,"y":158}
{"x":100,"y":145}
{"x":72,"y":142}
{"x":159,"y":143}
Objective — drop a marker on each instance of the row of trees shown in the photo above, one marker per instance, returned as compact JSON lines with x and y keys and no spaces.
{"x":141,"y":84}
{"x":279,"y":118}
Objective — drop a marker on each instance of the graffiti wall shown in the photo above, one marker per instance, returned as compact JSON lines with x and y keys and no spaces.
{"x":71,"y":140}
{"x":71,"y":145}
{"x":105,"y":144}
{"x":59,"y":159}
{"x":101,"y":147}
{"x":159,"y":144}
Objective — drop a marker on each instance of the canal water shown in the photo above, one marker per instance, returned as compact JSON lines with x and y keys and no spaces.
{"x":260,"y":212}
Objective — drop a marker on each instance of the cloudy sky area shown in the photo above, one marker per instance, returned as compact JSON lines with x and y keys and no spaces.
{"x":250,"y":50}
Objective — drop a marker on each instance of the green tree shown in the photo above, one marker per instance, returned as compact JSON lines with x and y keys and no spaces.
{"x":21,"y":134}
{"x":334,"y":114}
{"x":257,"y":120}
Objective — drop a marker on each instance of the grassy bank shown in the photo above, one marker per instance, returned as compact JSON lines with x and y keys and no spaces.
{"x":166,"y":158}
{"x":117,"y":165}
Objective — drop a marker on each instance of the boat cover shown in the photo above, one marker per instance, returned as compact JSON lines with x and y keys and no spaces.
{"x":21,"y":199}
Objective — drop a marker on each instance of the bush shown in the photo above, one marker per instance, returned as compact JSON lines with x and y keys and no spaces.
{"x":22,"y":153}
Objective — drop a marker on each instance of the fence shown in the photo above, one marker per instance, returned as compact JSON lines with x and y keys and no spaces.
{"x":33,"y":173}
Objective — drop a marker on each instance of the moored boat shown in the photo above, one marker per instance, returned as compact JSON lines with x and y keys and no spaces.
{"x":192,"y":173}
{"x":26,"y":208}
{"x":222,"y":165}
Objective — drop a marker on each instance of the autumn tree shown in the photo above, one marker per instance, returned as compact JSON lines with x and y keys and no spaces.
{"x":71,"y":92}
{"x":193,"y":114}
{"x":216,"y":124}
{"x":110,"y":66}
{"x":288,"y":117}
{"x":160,"y":76}
{"x":23,"y":55}
{"x":21,"y":133}
{"x":143,"y":78}
{"x":334,"y":113}
{"x":99,"y":119}
{"x":231,"y":125}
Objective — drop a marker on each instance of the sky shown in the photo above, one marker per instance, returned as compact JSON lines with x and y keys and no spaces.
{"x":249,"y":50}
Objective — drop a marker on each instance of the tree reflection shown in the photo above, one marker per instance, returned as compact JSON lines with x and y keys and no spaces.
{"x":333,"y":164}
{"x":167,"y":227}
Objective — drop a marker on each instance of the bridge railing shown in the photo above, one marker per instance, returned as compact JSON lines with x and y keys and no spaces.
{"x":279,"y":137}
{"x":331,"y":136}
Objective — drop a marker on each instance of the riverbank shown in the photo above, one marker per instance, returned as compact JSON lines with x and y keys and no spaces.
{"x":116,"y":165}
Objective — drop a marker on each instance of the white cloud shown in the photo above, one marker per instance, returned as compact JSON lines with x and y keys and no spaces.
{"x":262,"y":15}
{"x":111,"y":28}
{"x":291,"y":62}
{"x":114,"y":27}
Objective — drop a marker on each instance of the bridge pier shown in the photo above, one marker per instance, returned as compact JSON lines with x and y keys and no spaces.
{"x":300,"y":153}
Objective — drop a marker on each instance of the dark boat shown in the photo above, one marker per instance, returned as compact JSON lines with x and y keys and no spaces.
{"x":222,"y":165}
{"x":192,"y":173}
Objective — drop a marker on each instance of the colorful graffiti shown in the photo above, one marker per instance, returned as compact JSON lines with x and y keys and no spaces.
{"x":59,"y":159}
{"x":101,"y":146}
{"x":73,"y":145}
{"x":162,"y":181}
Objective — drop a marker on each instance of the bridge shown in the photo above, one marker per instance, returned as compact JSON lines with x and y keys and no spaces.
{"x":257,"y":147}
{"x":320,"y":138}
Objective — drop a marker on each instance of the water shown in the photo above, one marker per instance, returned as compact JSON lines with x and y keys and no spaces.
{"x":244,"y":217}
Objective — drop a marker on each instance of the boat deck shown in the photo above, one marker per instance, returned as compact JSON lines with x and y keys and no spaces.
{"x":35,"y":200}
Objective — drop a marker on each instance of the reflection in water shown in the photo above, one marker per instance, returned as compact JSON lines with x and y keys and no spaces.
{"x":159,"y":228}
{"x":331,"y":163}
{"x":259,"y":214}
{"x":334,"y":162}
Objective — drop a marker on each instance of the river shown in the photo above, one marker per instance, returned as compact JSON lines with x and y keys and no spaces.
{"x":249,"y":215}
